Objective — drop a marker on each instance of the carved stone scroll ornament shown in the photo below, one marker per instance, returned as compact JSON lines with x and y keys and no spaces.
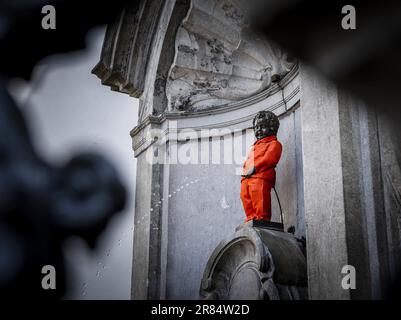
{"x":219,"y":59}
{"x":257,"y":264}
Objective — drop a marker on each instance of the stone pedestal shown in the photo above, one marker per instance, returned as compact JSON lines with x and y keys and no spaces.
{"x":256,"y":263}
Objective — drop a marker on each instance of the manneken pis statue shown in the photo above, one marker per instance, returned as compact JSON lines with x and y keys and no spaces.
{"x":259,"y":174}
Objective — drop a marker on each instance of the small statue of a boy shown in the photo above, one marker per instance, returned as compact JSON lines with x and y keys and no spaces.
{"x":259,"y":174}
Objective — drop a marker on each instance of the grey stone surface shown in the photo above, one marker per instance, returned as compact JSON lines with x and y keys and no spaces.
{"x":140,"y":261}
{"x":219,"y":59}
{"x":344,"y":195}
{"x":358,"y":195}
{"x":255,"y":263}
{"x":200,"y":214}
{"x":391,"y":179}
{"x":289,"y":173}
{"x":323,"y":187}
{"x":128,"y":44}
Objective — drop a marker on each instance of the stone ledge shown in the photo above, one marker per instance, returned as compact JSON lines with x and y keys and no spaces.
{"x":276,"y":226}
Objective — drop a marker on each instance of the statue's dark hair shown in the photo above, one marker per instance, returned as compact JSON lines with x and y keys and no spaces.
{"x":270,"y":119}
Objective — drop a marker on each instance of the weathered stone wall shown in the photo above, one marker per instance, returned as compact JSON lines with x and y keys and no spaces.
{"x":289,"y":184}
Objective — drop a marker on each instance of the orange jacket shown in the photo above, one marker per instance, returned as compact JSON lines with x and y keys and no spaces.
{"x":264,"y":156}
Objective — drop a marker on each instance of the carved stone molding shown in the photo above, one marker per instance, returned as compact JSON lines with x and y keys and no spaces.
{"x":127,"y":47}
{"x":281,"y":97}
{"x":256,"y":263}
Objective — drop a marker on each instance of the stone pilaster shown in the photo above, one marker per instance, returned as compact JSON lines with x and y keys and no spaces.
{"x":344,"y":206}
{"x":323,"y":187}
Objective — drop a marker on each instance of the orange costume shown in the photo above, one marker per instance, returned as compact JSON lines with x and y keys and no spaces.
{"x":255,"y":190}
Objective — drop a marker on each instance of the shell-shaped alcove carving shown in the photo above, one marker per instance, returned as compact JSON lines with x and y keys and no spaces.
{"x":219,"y":59}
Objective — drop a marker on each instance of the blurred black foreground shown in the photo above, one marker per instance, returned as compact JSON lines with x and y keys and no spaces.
{"x":41,"y":205}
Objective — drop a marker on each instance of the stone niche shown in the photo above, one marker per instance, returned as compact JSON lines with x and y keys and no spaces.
{"x":201,"y":74}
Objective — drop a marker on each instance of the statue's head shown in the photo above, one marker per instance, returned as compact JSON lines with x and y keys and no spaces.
{"x":265,"y":124}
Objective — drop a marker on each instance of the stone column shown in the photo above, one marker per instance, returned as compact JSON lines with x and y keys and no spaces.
{"x":147,"y":227}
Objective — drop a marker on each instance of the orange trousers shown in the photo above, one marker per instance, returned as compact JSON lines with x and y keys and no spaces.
{"x":255,"y":196}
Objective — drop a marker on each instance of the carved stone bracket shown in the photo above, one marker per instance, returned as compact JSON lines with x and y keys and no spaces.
{"x":127,"y":47}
